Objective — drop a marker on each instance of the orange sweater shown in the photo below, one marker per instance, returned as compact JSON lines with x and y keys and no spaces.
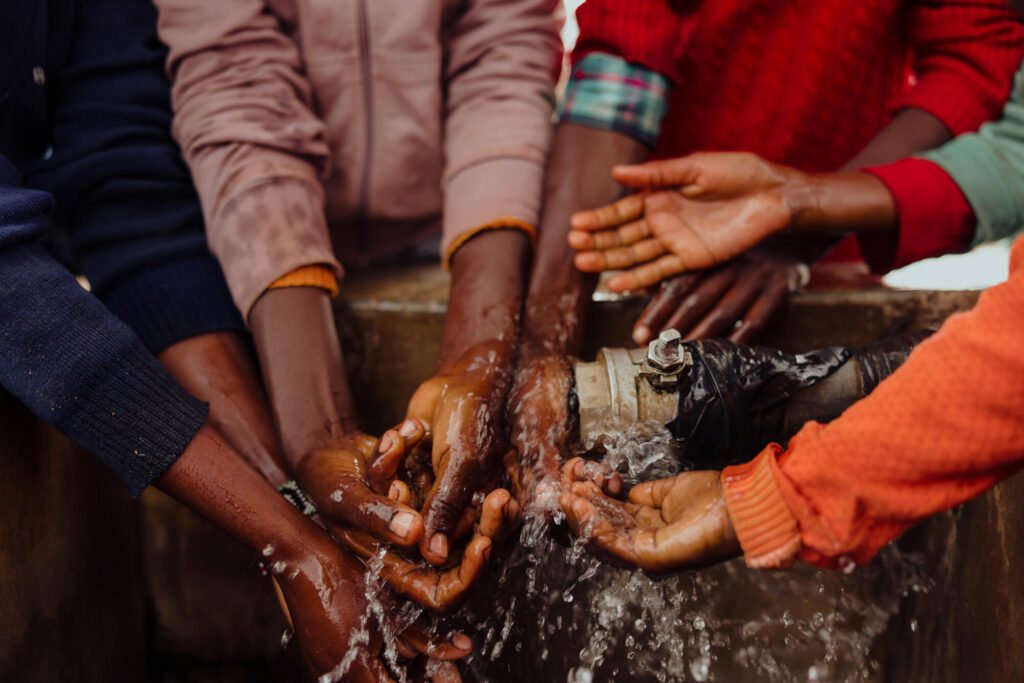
{"x":942,"y":429}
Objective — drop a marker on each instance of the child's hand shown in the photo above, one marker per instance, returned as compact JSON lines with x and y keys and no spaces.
{"x":668,"y":525}
{"x":692,"y":213}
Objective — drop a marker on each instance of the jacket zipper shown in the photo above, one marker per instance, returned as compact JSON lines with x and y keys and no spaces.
{"x":364,"y":188}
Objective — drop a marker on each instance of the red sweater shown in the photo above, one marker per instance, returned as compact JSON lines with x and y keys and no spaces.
{"x":809,"y":83}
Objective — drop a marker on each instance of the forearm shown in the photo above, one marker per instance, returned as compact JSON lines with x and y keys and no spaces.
{"x":217,"y":368}
{"x":303,"y":369}
{"x":910,"y":131}
{"x":213,"y":481}
{"x":488,"y":278}
{"x":838,"y":202}
{"x":579,"y":177}
{"x":864,"y":209}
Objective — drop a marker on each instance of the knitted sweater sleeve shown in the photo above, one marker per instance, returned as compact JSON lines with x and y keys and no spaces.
{"x":988,"y":166}
{"x":121,"y":188}
{"x":73,"y":363}
{"x":940,"y":430}
{"x":965,"y":55}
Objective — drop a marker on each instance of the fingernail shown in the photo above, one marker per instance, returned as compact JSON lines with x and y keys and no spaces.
{"x":385,"y":443}
{"x":462,"y":641}
{"x":439,"y":545}
{"x":401,"y":523}
{"x":409,"y":429}
{"x":641,"y":334}
{"x":395,"y":492}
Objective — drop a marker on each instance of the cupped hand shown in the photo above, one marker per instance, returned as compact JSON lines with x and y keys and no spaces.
{"x":736,"y":300}
{"x":437,"y":589}
{"x":326,"y":603}
{"x":692,"y":214}
{"x":463,"y":407}
{"x":667,"y":525}
{"x":342,"y":484}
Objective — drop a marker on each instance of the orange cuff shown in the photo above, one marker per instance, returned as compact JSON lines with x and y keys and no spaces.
{"x":764,"y":525}
{"x":506,"y":223}
{"x":308,"y":276}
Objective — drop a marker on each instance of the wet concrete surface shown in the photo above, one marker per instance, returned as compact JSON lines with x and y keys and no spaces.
{"x":201,"y":612}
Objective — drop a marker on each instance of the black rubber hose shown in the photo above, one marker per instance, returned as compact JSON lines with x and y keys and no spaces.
{"x":735,"y":399}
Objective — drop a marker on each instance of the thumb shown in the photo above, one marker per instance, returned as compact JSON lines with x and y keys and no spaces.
{"x":424,"y":402}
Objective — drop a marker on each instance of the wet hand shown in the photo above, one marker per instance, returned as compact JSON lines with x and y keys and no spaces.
{"x":437,"y":589}
{"x":541,"y":432}
{"x":347,"y":490}
{"x":735,"y":300}
{"x":693,"y":213}
{"x":326,"y":602}
{"x":463,"y":406}
{"x":667,"y":525}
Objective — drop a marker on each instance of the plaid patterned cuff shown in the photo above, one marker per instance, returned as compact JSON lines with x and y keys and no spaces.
{"x":609,"y":93}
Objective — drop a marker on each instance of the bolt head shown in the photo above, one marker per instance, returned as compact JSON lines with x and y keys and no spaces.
{"x":669,"y":336}
{"x":666,"y":353}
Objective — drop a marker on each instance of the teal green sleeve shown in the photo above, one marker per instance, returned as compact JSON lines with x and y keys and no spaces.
{"x":989,"y":168}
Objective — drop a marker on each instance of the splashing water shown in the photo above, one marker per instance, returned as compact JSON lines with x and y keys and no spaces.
{"x":555,"y":612}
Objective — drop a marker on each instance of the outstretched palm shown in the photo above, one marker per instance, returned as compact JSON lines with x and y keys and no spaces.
{"x":691,"y":214}
{"x":667,"y":525}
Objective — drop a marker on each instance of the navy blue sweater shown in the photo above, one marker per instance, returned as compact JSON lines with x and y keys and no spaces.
{"x":85,"y":129}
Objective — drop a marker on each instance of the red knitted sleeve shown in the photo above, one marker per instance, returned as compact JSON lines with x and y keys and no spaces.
{"x":647,"y":33}
{"x":939,"y":431}
{"x":935,"y":217}
{"x":966,"y":55}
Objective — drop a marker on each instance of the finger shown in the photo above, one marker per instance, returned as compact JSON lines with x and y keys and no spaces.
{"x":394,"y":445}
{"x":419,"y":639}
{"x":355,"y":504}
{"x":628,"y":208}
{"x":467,"y":522}
{"x":399,"y":492}
{"x":651,"y":493}
{"x":640,"y":252}
{"x":723,"y":316}
{"x":613,"y":485}
{"x":701,"y":298}
{"x":662,"y":173}
{"x":662,"y":305}
{"x":444,"y":507}
{"x":423,"y":584}
{"x":457,"y":581}
{"x":495,"y":513}
{"x":424,"y":402}
{"x":649,"y":273}
{"x":757,"y":317}
{"x":589,"y":522}
{"x":603,"y":240}
{"x":573,"y":471}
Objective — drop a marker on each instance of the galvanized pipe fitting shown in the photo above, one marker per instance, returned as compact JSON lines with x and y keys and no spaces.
{"x":627,"y":386}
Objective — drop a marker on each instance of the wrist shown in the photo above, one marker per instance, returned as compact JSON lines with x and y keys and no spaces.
{"x":839,"y":202}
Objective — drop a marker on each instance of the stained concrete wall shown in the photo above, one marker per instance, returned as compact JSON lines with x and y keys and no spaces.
{"x":72,"y":588}
{"x":74,"y":606}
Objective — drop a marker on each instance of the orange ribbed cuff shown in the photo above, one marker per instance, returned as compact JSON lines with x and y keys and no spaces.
{"x":308,"y":276}
{"x":764,"y":525}
{"x":506,"y":223}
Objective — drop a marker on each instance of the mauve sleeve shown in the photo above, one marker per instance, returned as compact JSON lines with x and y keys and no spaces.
{"x":244,"y":119}
{"x":500,"y":66}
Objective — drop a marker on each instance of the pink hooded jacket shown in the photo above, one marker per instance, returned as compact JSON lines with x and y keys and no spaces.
{"x":319,"y":130}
